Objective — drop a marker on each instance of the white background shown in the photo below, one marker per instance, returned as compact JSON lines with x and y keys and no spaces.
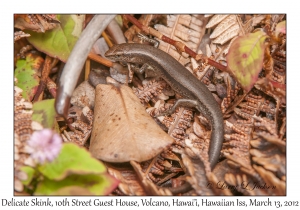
{"x":8,"y":8}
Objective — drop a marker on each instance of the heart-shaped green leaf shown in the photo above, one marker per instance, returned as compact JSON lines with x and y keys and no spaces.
{"x":245,"y":58}
{"x":44,"y":113}
{"x":75,"y":172}
{"x":71,"y":160}
{"x":59,"y":41}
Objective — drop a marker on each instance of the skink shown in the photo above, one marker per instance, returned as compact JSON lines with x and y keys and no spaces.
{"x":196,"y":94}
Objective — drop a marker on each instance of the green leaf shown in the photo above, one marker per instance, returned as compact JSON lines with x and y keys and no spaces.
{"x":44,"y":113}
{"x":75,"y":172}
{"x":59,"y":41}
{"x":30,"y":173}
{"x":26,"y":73}
{"x":71,"y":160}
{"x":89,"y":184}
{"x":245,"y":58}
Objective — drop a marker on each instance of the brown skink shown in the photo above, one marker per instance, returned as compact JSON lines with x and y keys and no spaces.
{"x":194,"y":92}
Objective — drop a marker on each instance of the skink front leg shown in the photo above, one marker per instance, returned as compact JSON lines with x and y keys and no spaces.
{"x":180,"y":103}
{"x":146,"y":68}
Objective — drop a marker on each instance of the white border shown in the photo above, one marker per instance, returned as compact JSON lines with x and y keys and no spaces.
{"x":8,"y":8}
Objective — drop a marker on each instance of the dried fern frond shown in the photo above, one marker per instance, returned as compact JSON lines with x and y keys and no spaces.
{"x":162,"y":168}
{"x":176,"y":124}
{"x":215,"y":20}
{"x":223,"y":26}
{"x":129,"y":184}
{"x":188,"y":29}
{"x":20,"y":34}
{"x":82,"y":127}
{"x":23,"y":130}
{"x":226,"y":28}
{"x":151,"y":89}
{"x":257,"y":148}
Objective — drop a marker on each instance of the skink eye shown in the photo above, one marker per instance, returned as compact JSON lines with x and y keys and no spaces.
{"x":117,"y":57}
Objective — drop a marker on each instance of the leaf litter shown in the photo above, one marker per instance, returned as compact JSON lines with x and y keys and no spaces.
{"x":109,"y":138}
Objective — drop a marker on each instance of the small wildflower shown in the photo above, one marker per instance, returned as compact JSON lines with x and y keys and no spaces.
{"x":44,"y":145}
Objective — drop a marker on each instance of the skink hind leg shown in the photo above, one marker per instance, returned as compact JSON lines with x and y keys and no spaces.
{"x":145,"y":38}
{"x":180,"y":103}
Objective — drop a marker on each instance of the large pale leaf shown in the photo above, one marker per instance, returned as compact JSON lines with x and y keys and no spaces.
{"x":44,"y":113}
{"x":27,"y":75}
{"x":59,"y":41}
{"x":122,"y":129}
{"x":89,"y":184}
{"x":245,"y":58}
{"x":71,"y":160}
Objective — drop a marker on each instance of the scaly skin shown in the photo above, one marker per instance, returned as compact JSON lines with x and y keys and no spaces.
{"x":182,"y":81}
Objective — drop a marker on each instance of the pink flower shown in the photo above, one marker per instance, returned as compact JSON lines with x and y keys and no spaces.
{"x":45,"y":145}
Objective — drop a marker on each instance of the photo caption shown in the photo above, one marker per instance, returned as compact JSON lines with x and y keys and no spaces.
{"x":144,"y":202}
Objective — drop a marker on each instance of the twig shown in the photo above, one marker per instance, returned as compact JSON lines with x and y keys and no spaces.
{"x":51,"y":86}
{"x":100,"y":59}
{"x":179,"y":45}
{"x":45,"y":74}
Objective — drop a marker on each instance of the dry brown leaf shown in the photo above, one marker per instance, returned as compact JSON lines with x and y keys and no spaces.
{"x":84,"y":95}
{"x":123,"y":130}
{"x":230,"y":33}
{"x":223,"y":26}
{"x":38,"y":23}
{"x":215,"y":20}
{"x":226,"y":28}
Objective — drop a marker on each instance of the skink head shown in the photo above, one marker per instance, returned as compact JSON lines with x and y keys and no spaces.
{"x":119,"y":52}
{"x":126,"y":52}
